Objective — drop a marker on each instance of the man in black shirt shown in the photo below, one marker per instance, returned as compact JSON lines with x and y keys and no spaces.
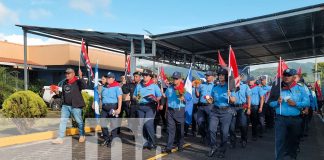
{"x":72,"y":103}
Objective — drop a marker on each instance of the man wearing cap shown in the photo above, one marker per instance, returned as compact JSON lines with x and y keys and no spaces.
{"x":268,"y":111}
{"x":128,"y":89}
{"x":221,"y":113}
{"x":147,"y":95}
{"x":72,"y":104}
{"x":288,"y":122}
{"x":305,"y":112}
{"x":243,"y":110}
{"x":175,"y":113}
{"x":111,"y":96}
{"x":257,"y":101}
{"x":205,"y":105}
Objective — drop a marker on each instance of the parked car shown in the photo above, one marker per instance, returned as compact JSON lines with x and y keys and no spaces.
{"x":53,"y":101}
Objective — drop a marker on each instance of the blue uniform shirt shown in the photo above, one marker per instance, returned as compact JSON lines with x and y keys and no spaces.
{"x":143,"y":91}
{"x":195,"y":99}
{"x":205,"y":89}
{"x":241,"y":95}
{"x":256,"y":94}
{"x":297,"y":94}
{"x":265,"y":89}
{"x":110,"y":94}
{"x":219,"y":94}
{"x":173,"y":99}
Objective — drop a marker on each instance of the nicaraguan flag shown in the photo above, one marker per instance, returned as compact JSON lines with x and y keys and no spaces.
{"x":188,"y":84}
{"x":188,"y":98}
{"x":201,"y":76}
{"x":96,"y":92}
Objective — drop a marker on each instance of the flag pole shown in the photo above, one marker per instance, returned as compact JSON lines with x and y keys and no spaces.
{"x":229,"y":70}
{"x":80,"y":55}
{"x":280,"y":80}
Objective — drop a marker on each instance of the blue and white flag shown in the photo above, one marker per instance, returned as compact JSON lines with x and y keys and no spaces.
{"x":188,"y":83}
{"x":96,"y":92}
{"x":201,"y":76}
{"x":188,"y":98}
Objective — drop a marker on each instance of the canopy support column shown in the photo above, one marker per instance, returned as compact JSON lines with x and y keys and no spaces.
{"x":25,"y":61}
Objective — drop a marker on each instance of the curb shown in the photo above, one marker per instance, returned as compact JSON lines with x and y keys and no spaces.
{"x":21,"y":139}
{"x":159,"y":156}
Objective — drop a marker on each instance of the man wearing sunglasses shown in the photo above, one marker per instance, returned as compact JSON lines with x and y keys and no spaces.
{"x":147,"y":94}
{"x":72,"y":104}
{"x":292,"y":100}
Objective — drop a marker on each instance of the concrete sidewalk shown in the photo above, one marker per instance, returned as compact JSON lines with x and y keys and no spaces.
{"x":312,"y":148}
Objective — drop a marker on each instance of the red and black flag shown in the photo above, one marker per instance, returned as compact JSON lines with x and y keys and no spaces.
{"x":233,"y":73}
{"x":221,"y":62}
{"x":127,"y":65}
{"x":318,"y":90}
{"x":85,"y":59}
{"x":276,"y":86}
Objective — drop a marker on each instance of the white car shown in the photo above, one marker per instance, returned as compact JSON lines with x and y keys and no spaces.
{"x":53,"y":101}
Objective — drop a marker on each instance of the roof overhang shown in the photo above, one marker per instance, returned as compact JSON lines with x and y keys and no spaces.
{"x":292,"y":35}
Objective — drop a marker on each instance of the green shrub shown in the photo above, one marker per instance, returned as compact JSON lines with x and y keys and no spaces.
{"x":9,"y":83}
{"x":88,"y":112}
{"x":22,"y":107}
{"x":5,"y":92}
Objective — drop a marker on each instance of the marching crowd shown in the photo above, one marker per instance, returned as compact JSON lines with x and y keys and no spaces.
{"x":215,"y":109}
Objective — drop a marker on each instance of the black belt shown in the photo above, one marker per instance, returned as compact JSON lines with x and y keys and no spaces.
{"x":169,"y":108}
{"x":222,"y":107}
{"x":239,"y":105}
{"x":147,"y":104}
{"x":297,"y":116}
{"x":204,"y":104}
{"x":109,"y":104}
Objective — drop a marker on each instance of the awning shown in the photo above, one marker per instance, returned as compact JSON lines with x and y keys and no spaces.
{"x":292,"y":35}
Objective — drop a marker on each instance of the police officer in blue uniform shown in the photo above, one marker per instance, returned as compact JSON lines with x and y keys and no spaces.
{"x":147,"y":95}
{"x":268,"y":111}
{"x":257,"y":114}
{"x":243,"y":110}
{"x":111,"y":95}
{"x":175,"y":113}
{"x":288,"y":121}
{"x":204,"y":107}
{"x":221,"y":113}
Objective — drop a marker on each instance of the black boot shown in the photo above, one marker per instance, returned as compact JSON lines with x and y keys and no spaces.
{"x":106,"y":143}
{"x":166,"y":150}
{"x":212,"y":152}
{"x":221,"y":155}
{"x":244,"y":144}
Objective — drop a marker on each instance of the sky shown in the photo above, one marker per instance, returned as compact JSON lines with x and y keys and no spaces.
{"x":130,"y":16}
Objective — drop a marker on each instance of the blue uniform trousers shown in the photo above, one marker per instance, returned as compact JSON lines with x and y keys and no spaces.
{"x":240,"y":120}
{"x":113,"y":120}
{"x":222,"y":116}
{"x":202,"y":119}
{"x":287,"y":133}
{"x":175,"y":126}
{"x":148,"y":111}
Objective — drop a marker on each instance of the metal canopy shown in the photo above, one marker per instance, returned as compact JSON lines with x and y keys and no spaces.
{"x":293,"y":34}
{"x":104,"y":40}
